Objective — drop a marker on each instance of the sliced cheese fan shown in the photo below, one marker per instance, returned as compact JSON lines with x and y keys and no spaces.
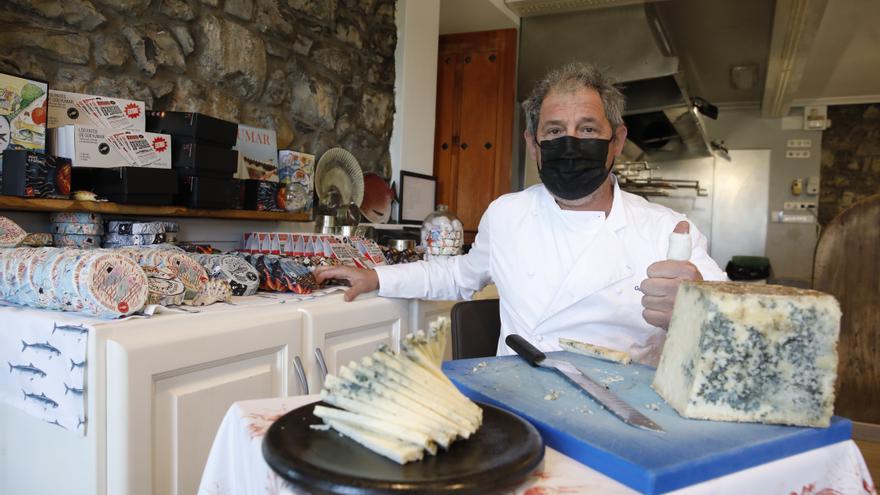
{"x":400,"y":405}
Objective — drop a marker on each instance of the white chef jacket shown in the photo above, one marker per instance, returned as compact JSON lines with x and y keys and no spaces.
{"x":560,"y":273}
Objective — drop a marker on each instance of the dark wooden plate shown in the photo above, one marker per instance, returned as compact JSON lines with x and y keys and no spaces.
{"x":501,"y":455}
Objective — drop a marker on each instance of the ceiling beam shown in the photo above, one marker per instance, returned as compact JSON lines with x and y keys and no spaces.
{"x":795,"y":23}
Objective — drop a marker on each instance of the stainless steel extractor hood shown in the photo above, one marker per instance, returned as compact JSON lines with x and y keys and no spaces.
{"x":628,"y":42}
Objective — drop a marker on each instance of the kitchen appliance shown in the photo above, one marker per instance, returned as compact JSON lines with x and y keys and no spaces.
{"x":689,"y":452}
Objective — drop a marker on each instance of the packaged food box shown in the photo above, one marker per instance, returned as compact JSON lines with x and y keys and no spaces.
{"x":262,"y":195}
{"x":95,"y":111}
{"x":109,"y":148}
{"x":194,"y":126}
{"x":22,"y":114}
{"x":207,"y":192}
{"x":297,"y":171}
{"x":204,"y":160}
{"x":251,"y":169}
{"x":35,"y":175}
{"x":257,"y":144}
{"x":129,"y":185}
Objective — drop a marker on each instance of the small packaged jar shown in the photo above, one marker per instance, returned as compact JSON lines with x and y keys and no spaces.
{"x":442,"y":234}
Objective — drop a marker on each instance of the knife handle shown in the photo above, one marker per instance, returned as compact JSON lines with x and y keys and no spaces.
{"x":527,"y":351}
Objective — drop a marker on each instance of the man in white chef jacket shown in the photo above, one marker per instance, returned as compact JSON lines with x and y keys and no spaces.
{"x":575,"y":256}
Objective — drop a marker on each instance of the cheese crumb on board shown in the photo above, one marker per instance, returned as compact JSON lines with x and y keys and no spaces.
{"x":595,"y":351}
{"x":752,"y":353}
{"x":400,"y":405}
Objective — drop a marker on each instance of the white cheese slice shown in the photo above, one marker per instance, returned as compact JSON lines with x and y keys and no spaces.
{"x":394,"y":403}
{"x":595,"y":351}
{"x":755,"y":353}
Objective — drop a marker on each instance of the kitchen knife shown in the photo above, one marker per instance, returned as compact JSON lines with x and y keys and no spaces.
{"x":598,"y":392}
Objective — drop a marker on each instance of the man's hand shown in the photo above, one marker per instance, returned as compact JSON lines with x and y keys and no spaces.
{"x":359,"y":279}
{"x":661,"y":286}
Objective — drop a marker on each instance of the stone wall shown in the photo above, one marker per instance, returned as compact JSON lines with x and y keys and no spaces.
{"x":850,"y":158}
{"x":319,"y":72}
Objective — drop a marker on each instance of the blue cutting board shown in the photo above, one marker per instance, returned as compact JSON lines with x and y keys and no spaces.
{"x":688,"y":452}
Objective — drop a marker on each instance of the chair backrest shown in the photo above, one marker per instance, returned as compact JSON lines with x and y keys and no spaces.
{"x":847,"y":265}
{"x":476,"y":326}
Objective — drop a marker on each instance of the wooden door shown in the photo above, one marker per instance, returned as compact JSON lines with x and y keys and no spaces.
{"x":846,"y":265}
{"x":475,"y":103}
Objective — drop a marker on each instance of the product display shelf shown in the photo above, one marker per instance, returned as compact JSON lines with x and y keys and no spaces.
{"x":32,"y":204}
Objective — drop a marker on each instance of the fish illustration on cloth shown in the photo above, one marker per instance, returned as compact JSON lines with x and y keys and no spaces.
{"x":27,"y":369}
{"x":40,"y":398}
{"x":79,"y":329}
{"x":41,"y":346}
{"x":56,"y":423}
{"x":74,"y":364}
{"x":74,"y":391}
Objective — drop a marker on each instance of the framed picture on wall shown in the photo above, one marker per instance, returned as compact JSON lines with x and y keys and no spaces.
{"x":418,"y":197}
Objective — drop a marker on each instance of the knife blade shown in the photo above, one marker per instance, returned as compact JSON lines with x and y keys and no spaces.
{"x":606,"y":398}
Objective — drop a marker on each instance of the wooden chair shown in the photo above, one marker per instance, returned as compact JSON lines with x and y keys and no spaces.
{"x":476,"y":326}
{"x":847,"y":265}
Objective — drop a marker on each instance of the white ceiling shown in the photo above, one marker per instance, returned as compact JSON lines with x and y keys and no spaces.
{"x":467,"y":16}
{"x":710,"y":36}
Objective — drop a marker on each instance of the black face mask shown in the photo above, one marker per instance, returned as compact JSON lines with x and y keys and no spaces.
{"x":572,"y":168}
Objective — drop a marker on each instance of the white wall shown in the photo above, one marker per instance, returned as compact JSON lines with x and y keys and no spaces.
{"x":415,"y":98}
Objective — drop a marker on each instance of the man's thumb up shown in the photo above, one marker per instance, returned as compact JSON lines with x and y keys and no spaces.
{"x":660,"y":287}
{"x":680,"y":242}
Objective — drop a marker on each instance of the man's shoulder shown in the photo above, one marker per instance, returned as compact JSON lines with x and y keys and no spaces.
{"x":517,"y":200}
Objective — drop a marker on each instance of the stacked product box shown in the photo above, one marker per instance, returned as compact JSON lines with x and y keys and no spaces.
{"x":352,"y":251}
{"x":296,"y":172}
{"x":258,"y":169}
{"x":108,"y":146}
{"x":202,"y":157}
{"x":22,"y":116}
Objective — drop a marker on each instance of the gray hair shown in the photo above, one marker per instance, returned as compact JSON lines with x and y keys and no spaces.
{"x":571,"y":77}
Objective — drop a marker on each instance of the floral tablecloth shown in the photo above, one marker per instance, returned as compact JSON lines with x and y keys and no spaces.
{"x":236,"y":466}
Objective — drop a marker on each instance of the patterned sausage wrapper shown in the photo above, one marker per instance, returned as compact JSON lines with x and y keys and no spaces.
{"x":10,"y":233}
{"x":78,"y":228}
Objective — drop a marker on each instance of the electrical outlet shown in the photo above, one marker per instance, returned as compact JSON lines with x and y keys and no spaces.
{"x":797,"y":153}
{"x":799,"y":143}
{"x":799,"y":205}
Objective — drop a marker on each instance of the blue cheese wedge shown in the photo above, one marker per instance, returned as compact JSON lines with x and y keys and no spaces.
{"x":752,"y":353}
{"x":400,"y":405}
{"x":596,"y":351}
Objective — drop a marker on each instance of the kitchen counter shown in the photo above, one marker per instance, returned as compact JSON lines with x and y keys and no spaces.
{"x":156,"y":389}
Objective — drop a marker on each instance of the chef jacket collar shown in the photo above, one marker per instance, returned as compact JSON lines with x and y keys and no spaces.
{"x":615,"y":220}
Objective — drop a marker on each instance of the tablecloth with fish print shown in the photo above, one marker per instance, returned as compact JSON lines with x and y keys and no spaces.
{"x":44,"y":365}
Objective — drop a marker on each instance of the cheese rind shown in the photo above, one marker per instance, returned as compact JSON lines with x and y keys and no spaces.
{"x":752,"y":353}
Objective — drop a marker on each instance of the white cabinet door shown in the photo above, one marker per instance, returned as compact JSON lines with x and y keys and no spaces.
{"x":169,"y":387}
{"x":349,"y":331}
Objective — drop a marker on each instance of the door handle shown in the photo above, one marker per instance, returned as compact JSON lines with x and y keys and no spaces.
{"x":464,"y":146}
{"x":301,"y":374}
{"x":322,"y":365}
{"x":445,"y":146}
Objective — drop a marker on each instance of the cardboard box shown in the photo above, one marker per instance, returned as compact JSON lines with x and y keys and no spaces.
{"x":126,"y":181}
{"x":204,"y":160}
{"x":95,"y":111}
{"x":35,"y":175}
{"x":102,"y":147}
{"x":262,"y":195}
{"x":208,"y":192}
{"x":250,"y":169}
{"x":297,"y":171}
{"x":22,"y":114}
{"x":195,"y":127}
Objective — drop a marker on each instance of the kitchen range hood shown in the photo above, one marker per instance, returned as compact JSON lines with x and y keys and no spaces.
{"x":628,"y":42}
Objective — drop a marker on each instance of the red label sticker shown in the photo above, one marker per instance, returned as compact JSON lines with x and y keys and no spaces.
{"x":122,"y":307}
{"x":160,"y":144}
{"x":132,"y":111}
